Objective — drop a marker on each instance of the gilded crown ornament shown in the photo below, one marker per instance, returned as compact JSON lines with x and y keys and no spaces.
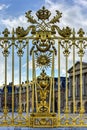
{"x":43,"y":13}
{"x":41,"y":30}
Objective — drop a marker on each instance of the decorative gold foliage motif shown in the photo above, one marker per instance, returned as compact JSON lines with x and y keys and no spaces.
{"x":30,"y":18}
{"x":56,"y":18}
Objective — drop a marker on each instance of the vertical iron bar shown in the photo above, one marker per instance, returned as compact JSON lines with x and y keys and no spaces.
{"x":53,"y":83}
{"x":74,"y":104}
{"x":58,"y":82}
{"x":81,"y":82}
{"x":12,"y":76}
{"x":66,"y":85}
{"x":50,"y":105}
{"x":33,"y":81}
{"x":20,"y":104}
{"x":27,"y":72}
{"x":35,"y":88}
{"x":5,"y":82}
{"x":36,"y":97}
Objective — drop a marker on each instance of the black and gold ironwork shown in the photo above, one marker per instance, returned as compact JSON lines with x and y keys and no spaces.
{"x":47,"y":40}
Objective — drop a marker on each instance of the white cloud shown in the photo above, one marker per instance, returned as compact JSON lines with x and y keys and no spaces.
{"x":81,"y":2}
{"x":30,"y":65}
{"x":3,"y":6}
{"x":2,"y":69}
{"x":15,"y":22}
{"x":72,"y":15}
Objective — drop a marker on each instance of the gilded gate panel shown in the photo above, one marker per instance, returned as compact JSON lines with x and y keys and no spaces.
{"x":47,"y":39}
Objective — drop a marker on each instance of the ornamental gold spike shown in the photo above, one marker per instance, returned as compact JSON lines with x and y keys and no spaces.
{"x":6,"y":32}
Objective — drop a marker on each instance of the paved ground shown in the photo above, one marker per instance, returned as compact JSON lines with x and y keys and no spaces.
{"x":12,"y":128}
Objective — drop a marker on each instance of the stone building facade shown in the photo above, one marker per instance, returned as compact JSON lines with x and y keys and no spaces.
{"x":62,"y":93}
{"x":24,"y":93}
{"x":77,"y":86}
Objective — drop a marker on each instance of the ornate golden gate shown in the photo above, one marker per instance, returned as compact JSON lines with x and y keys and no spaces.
{"x":47,"y":39}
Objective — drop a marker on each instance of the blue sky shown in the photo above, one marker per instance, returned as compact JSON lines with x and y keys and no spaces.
{"x":14,"y":10}
{"x":12,"y":14}
{"x":18,"y":7}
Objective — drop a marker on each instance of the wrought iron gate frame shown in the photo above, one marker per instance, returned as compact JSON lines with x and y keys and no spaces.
{"x":43,"y":30}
